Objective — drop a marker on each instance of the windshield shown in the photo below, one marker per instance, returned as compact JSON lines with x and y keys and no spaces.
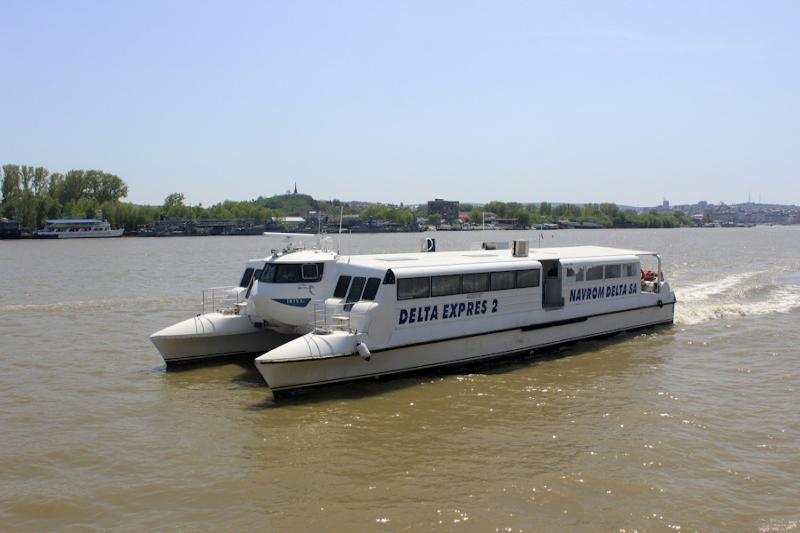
{"x":292,"y":273}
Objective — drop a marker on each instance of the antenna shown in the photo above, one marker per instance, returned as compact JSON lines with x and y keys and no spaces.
{"x":339,"y":238}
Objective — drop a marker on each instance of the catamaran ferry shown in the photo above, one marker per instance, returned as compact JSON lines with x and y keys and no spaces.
{"x":393,"y":313}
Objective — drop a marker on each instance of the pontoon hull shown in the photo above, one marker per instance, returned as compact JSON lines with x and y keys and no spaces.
{"x":340,"y":363}
{"x":214,"y":335}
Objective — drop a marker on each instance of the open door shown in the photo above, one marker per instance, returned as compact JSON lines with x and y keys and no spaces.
{"x":551,"y":290}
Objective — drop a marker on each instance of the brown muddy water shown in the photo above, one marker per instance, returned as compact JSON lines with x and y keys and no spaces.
{"x":689,"y":427}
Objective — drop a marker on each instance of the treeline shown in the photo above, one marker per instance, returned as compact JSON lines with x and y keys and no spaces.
{"x":33,"y":195}
{"x":606,"y":214}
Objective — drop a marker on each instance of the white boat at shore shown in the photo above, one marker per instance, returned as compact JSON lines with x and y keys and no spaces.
{"x":394,"y":313}
{"x":77,"y":229}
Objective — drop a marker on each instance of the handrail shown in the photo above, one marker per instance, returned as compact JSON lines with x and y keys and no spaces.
{"x":330,"y":317}
{"x":223,"y":300}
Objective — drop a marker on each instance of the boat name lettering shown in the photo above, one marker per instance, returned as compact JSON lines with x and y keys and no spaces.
{"x":446,"y":311}
{"x":597,"y":293}
{"x":294,"y":302}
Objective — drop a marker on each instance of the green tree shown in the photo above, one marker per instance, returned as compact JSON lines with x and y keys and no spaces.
{"x":11,"y":181}
{"x":39,"y":181}
{"x":545,"y":209}
{"x":476,"y":216}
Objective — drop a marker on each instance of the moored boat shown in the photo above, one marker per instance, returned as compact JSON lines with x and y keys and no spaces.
{"x":396,"y":313}
{"x":77,"y":229}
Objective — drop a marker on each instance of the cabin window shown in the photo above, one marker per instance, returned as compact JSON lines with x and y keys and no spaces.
{"x":289,"y":273}
{"x":631,"y":269}
{"x":613,"y":271}
{"x":527,"y":278}
{"x":310,"y":272}
{"x":409,"y":288}
{"x":576,"y":272}
{"x":371,"y":289}
{"x":341,"y":287}
{"x":594,"y":273}
{"x":475,"y":282}
{"x":501,"y":281}
{"x":246,"y":277}
{"x":256,"y":276}
{"x":445,"y":285}
{"x":356,"y":289}
{"x":268,"y":274}
{"x":388,"y":279}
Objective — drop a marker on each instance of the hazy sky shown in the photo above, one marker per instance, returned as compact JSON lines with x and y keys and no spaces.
{"x":403,"y":101}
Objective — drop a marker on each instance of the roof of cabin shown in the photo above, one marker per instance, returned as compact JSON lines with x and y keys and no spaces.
{"x":465,"y":257}
{"x":416,"y":260}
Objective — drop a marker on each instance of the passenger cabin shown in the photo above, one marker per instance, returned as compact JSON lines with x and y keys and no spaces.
{"x":491,"y":286}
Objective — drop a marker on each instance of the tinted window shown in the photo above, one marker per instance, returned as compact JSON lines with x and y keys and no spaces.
{"x":631,"y":269}
{"x":527,"y":278}
{"x":409,"y":288}
{"x":246,"y":277}
{"x":475,"y":282}
{"x":503,"y":280}
{"x":371,"y":289}
{"x":268,"y":274}
{"x":341,"y":287}
{"x":355,"y":289}
{"x":256,"y":277}
{"x":310,"y":272}
{"x":613,"y":271}
{"x":289,"y":273}
{"x":575,"y":272}
{"x":445,"y":285}
{"x":594,"y":272}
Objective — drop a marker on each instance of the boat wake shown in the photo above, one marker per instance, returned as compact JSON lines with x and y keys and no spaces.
{"x":88,"y":305}
{"x":746,"y":294}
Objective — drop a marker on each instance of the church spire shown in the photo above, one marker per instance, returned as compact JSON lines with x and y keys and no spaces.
{"x":295,"y":187}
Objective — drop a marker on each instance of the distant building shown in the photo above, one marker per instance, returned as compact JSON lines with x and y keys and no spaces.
{"x":447,"y":209}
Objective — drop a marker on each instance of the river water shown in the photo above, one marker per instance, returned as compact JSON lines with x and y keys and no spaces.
{"x":690,"y":427}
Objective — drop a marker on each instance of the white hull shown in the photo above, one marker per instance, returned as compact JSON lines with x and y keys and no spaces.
{"x":331,"y":356}
{"x":214,"y":335}
{"x":78,"y":234}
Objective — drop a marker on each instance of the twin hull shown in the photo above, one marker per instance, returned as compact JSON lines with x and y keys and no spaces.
{"x":332,"y":358}
{"x":215,"y":335}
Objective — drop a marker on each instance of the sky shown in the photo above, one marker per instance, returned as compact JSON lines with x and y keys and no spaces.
{"x":403,"y":101}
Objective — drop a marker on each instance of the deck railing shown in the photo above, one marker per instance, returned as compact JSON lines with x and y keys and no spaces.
{"x":224,"y":300}
{"x":331,"y":317}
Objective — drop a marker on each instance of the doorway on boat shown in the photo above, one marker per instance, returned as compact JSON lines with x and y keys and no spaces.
{"x":551,"y":286}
